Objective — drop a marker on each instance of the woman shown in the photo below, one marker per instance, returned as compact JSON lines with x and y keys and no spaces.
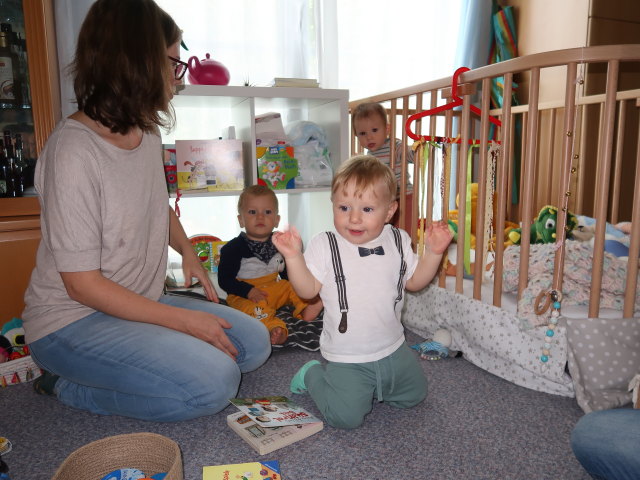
{"x":96,"y":317}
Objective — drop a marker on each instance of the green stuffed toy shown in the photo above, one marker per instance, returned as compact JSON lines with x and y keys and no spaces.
{"x":543,"y":229}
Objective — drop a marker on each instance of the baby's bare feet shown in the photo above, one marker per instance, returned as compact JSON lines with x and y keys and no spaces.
{"x":278,"y":336}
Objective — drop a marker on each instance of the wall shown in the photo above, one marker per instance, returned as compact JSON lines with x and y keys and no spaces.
{"x":544,"y":25}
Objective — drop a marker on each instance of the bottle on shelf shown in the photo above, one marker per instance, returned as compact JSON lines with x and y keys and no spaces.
{"x":25,"y":89}
{"x":20,"y":165}
{"x":9,"y":71}
{"x":12,"y":176}
{"x":4,"y":171}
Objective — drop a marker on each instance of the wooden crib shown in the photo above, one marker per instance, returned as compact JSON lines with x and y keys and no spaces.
{"x":571,"y":143}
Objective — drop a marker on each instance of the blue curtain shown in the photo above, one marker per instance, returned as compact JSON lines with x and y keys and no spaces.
{"x":474,"y":44}
{"x":475,"y":34}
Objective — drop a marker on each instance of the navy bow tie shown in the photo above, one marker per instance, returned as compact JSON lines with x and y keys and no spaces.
{"x":365,"y":252}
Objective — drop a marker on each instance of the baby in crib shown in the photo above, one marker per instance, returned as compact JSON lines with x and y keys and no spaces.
{"x":370,"y":126}
{"x":253,"y":273}
{"x":361,"y":271}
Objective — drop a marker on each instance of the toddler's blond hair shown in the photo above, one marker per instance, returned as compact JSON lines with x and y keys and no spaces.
{"x":364,"y":171}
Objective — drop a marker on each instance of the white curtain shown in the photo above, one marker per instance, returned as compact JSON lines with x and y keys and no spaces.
{"x":69,"y":15}
{"x":365,"y":46}
{"x":255,"y":40}
{"x":385,"y":46}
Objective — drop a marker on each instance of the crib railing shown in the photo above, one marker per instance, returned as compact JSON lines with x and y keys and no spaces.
{"x":578,"y":152}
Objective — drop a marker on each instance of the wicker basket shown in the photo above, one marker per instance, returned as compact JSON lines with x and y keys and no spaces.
{"x":17,"y":371}
{"x":148,"y":452}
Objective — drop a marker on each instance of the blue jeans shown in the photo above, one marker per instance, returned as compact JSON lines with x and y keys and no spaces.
{"x":112,"y":366}
{"x":607,"y":443}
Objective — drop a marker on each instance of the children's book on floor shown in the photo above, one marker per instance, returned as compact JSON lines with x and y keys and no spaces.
{"x":274,"y":411}
{"x":270,"y":423}
{"x":265,"y":440}
{"x":252,"y":470}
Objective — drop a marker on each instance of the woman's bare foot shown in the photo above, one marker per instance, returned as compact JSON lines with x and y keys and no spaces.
{"x":278,"y":336}
{"x":312,"y":310}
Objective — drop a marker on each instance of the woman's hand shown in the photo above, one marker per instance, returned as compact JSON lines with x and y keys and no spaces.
{"x":192,"y":268}
{"x":209,"y":328}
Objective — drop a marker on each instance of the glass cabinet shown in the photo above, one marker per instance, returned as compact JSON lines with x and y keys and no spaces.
{"x":30,"y":108}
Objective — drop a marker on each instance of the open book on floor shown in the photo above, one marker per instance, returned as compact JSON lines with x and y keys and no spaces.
{"x":270,"y":423}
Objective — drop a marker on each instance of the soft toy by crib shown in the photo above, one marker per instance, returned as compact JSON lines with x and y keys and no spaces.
{"x":12,"y":344}
{"x":543,"y":229}
{"x":437,"y":347}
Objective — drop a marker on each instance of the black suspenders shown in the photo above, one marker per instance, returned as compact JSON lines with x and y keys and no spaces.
{"x":403,"y":264}
{"x":340,"y":279}
{"x":339,"y":275}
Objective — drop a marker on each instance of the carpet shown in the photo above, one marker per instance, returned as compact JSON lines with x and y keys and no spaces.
{"x":473,"y":425}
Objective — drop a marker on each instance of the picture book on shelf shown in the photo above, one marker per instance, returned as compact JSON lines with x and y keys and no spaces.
{"x":209,"y":164}
{"x":274,"y":411}
{"x":250,"y":471}
{"x":277,"y":167}
{"x":265,"y":439}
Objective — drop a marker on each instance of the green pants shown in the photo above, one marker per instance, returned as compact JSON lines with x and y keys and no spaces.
{"x":344,"y":392}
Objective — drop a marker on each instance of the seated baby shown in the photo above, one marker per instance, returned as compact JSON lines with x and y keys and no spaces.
{"x":253,"y":273}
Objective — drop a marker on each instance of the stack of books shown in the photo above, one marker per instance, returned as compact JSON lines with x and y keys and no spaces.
{"x":270,"y":423}
{"x":295,"y":82}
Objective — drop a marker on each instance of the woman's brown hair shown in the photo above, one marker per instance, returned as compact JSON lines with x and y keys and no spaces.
{"x":121,"y":71}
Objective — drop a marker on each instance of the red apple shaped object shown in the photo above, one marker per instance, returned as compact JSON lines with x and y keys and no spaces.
{"x":207,"y":72}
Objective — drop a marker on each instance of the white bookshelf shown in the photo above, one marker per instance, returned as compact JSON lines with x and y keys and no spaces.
{"x":207,"y":111}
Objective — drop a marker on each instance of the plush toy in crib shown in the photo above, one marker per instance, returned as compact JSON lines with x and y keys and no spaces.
{"x":453,"y":214}
{"x":543,"y":229}
{"x":453,"y":217}
{"x":616,"y":236}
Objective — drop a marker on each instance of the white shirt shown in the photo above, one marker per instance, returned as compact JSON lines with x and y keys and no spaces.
{"x":374,"y":330}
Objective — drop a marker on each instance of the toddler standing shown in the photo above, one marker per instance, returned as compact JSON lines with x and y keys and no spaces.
{"x":370,"y":126}
{"x":361,"y":271}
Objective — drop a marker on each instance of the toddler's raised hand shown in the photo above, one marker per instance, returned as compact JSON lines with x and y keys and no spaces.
{"x":288,"y":243}
{"x":438,"y":237}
